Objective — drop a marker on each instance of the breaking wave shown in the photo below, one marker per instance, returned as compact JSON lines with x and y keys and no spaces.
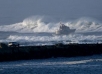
{"x":50,"y":40}
{"x":46,"y":24}
{"x":31,"y":25}
{"x":40,"y":30}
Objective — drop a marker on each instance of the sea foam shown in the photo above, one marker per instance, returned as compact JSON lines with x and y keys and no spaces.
{"x":41,"y":24}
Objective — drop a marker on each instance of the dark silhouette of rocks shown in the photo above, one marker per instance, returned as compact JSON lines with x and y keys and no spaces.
{"x":48,"y":51}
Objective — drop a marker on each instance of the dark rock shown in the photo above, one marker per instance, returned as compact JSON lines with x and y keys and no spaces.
{"x":48,"y":51}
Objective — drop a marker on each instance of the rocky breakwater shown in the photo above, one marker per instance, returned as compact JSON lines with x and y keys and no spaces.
{"x":48,"y":51}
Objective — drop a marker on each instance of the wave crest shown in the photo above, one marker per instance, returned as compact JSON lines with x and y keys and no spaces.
{"x":43,"y":24}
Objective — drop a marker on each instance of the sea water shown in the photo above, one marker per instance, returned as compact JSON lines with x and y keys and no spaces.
{"x":36,"y":31}
{"x":75,"y":65}
{"x":34,"y":22}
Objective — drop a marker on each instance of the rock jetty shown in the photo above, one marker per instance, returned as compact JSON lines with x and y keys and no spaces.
{"x":48,"y":51}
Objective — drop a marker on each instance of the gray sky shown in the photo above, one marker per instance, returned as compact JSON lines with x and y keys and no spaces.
{"x":17,"y":10}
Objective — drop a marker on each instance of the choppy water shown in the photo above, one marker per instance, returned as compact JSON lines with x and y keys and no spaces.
{"x":20,"y":21}
{"x":75,"y":65}
{"x":35,"y":30}
{"x":33,"y":22}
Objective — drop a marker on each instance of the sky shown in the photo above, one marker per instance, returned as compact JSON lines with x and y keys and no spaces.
{"x":17,"y":10}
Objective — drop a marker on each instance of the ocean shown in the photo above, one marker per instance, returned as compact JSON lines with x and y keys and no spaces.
{"x":34,"y":22}
{"x":74,"y":65}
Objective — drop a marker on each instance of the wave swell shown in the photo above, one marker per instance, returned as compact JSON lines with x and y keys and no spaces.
{"x":43,"y":24}
{"x":40,"y":30}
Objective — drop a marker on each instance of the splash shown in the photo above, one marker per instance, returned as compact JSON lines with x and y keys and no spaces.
{"x":85,"y":25}
{"x":43,"y":24}
{"x":31,"y":25}
{"x":50,"y":40}
{"x":40,"y":30}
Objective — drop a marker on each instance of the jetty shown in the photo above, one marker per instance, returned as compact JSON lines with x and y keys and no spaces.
{"x":48,"y":51}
